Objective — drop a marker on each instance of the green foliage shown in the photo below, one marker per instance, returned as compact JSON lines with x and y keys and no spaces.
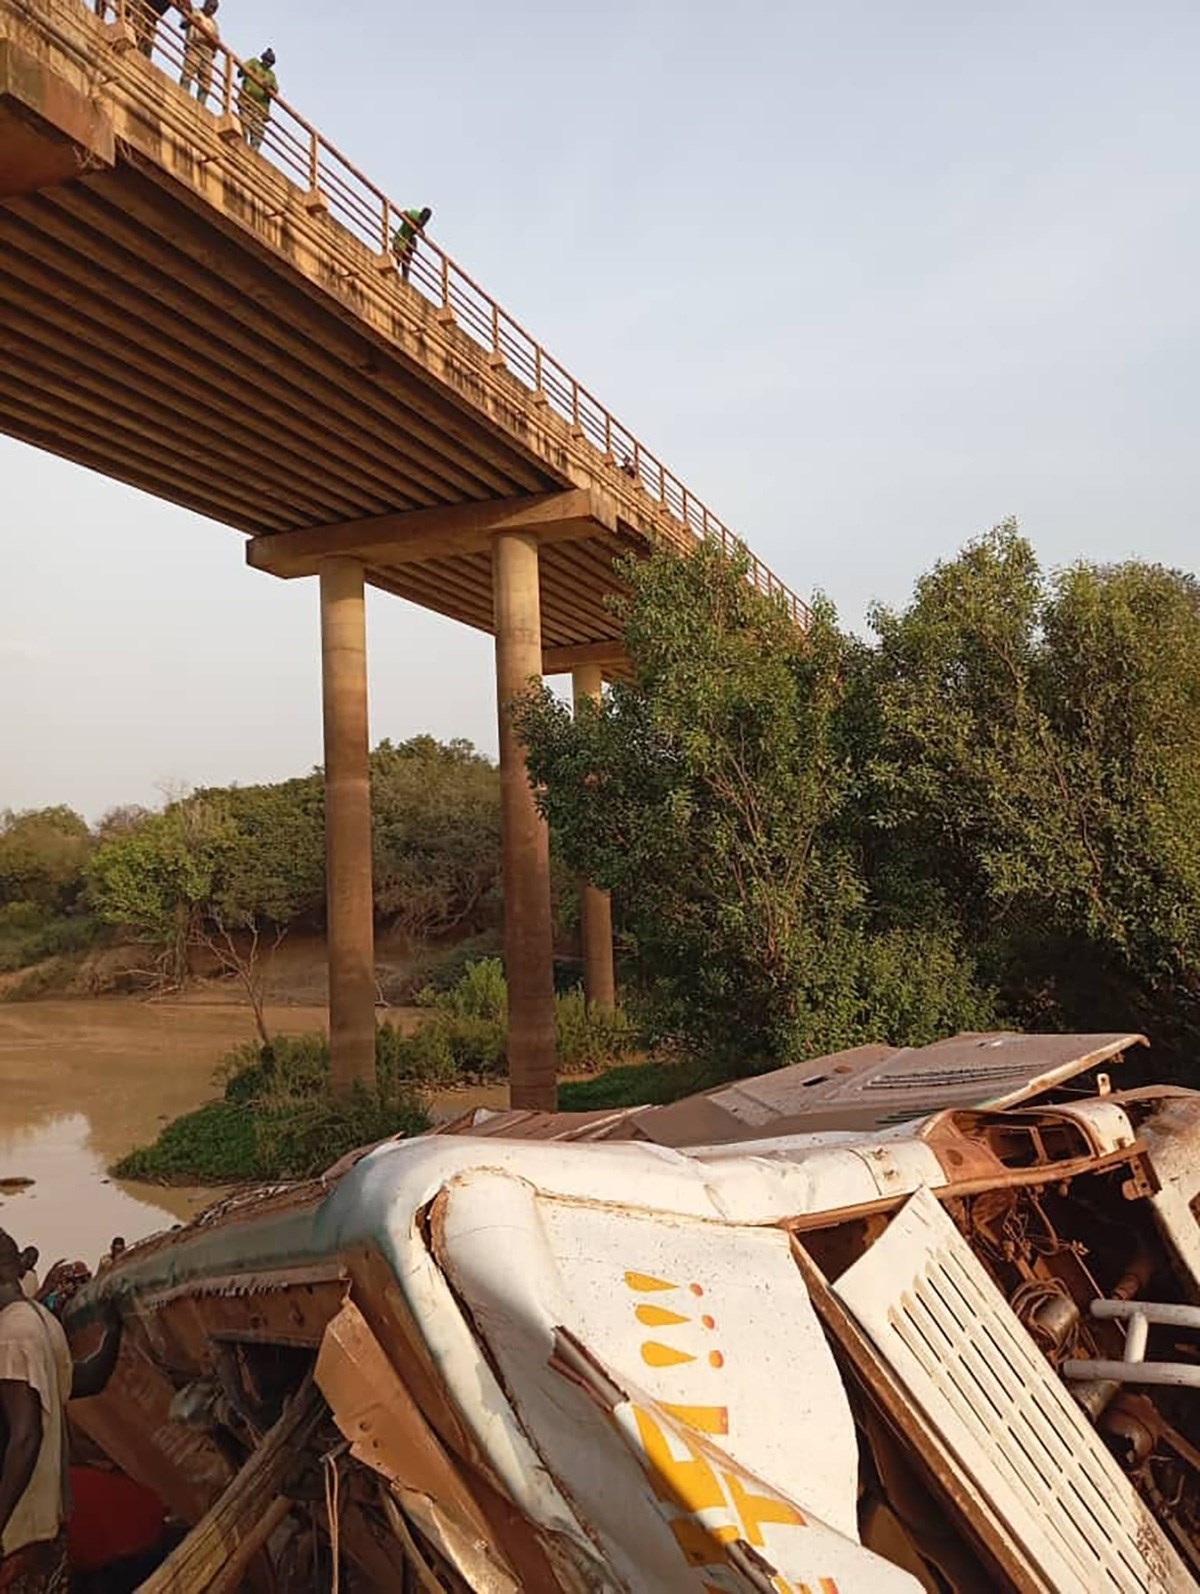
{"x":216,"y":1144}
{"x":274,"y":869}
{"x":160,"y":879}
{"x":224,"y":864}
{"x":29,"y":933}
{"x":440,"y":968}
{"x":42,"y":857}
{"x":636,"y":1084}
{"x":715,"y":794}
{"x":436,"y":816}
{"x":1036,"y":780}
{"x":278,"y":1119}
{"x":479,"y":992}
{"x":589,"y":1038}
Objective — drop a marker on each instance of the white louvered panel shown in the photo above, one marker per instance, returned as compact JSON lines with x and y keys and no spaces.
{"x":947,"y":1333}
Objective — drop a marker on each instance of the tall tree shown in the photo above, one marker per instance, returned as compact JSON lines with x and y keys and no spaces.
{"x":42,"y":856}
{"x":710,"y":794}
{"x":1037,"y":778}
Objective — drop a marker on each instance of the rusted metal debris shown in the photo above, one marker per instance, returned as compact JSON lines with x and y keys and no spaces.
{"x":575,"y":1352}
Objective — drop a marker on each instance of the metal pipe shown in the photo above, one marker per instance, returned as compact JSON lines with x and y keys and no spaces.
{"x":1136,"y":1335}
{"x":1153,"y":1311}
{"x":1181,"y":1375}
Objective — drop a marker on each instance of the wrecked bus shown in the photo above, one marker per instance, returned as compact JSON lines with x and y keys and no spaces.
{"x":891,"y":1320}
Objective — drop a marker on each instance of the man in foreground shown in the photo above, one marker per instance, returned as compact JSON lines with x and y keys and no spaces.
{"x":37,"y":1379}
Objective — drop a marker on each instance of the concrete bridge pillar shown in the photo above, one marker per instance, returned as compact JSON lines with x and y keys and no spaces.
{"x":350,"y":909}
{"x":595,"y":906}
{"x":528,"y":924}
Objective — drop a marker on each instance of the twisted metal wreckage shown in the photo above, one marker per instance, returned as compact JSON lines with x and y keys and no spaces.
{"x":886,"y":1321}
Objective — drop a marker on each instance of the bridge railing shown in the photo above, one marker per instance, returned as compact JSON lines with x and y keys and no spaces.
{"x":320,"y":169}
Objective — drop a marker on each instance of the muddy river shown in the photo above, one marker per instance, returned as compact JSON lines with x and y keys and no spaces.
{"x":81,"y":1083}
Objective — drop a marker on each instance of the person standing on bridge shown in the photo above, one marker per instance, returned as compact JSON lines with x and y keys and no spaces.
{"x":147,"y":14}
{"x":257,"y":89}
{"x":201,"y":47}
{"x":404,"y":239}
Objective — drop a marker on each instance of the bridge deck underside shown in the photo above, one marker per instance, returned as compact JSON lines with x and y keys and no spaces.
{"x":140,"y":338}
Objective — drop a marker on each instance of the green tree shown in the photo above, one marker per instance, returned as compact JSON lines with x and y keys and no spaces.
{"x":711,"y":793}
{"x":42,"y":856}
{"x":223,"y":871}
{"x":1037,"y":780}
{"x":160,"y":879}
{"x":436,"y":826}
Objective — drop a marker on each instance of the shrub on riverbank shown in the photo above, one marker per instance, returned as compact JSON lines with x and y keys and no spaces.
{"x":30,"y":933}
{"x":278,"y":1119}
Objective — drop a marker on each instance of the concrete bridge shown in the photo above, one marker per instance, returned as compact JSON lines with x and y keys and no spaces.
{"x":226,"y":328}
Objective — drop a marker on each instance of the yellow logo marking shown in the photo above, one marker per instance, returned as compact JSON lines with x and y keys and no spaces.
{"x":658,"y":1317}
{"x":656,"y":1355}
{"x":646,"y":1283}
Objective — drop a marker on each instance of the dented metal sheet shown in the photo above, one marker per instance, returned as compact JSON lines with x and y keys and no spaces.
{"x":868,"y":1087}
{"x":875,"y":1087}
{"x":583,"y":1361}
{"x":706,"y":1362}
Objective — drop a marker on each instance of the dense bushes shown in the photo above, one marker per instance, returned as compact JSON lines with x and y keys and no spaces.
{"x":29,"y":933}
{"x":221,"y":865}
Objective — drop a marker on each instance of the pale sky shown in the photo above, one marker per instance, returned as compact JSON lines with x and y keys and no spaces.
{"x":868,"y":276}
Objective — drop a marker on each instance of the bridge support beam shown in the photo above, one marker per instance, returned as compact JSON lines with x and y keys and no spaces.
{"x":528,"y":925}
{"x":595,"y":906}
{"x":348,"y":887}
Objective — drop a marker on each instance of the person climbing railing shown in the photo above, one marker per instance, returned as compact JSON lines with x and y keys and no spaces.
{"x":276,"y":130}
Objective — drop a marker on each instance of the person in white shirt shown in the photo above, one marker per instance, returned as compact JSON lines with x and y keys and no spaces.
{"x":201,"y":47}
{"x":37,"y":1378}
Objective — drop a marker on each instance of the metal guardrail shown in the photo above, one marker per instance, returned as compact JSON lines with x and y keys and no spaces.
{"x":308,"y":159}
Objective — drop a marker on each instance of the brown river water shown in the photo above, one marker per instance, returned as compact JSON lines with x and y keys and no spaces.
{"x":83,"y":1082}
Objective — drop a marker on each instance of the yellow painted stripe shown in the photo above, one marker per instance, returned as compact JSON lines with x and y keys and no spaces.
{"x":656,"y":1355}
{"x":646,"y":1283}
{"x":659,"y":1317}
{"x":704,"y":1419}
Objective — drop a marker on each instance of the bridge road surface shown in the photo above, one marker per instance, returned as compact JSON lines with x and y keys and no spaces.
{"x":226,"y":329}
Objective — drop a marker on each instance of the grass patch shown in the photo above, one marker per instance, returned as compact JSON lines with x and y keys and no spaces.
{"x":638,"y":1084}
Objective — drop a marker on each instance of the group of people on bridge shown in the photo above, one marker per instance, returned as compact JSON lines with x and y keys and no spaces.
{"x":257,"y":83}
{"x":257,"y":87}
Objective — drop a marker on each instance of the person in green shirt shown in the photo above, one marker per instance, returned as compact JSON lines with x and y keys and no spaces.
{"x":404,"y":239}
{"x":257,"y":89}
